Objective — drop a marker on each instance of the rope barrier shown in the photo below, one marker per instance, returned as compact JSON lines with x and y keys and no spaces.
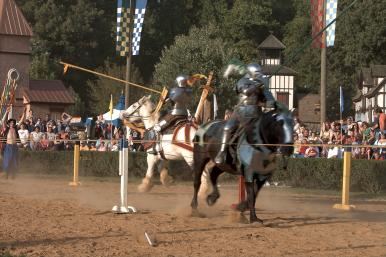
{"x":3,"y":140}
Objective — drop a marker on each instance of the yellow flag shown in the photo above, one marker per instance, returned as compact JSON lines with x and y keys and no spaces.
{"x":111,"y":106}
{"x":65,"y":69}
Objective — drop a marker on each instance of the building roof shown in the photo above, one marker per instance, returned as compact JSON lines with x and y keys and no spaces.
{"x":378,"y":71}
{"x":12,"y":20}
{"x":357,"y":97}
{"x":271,"y":42}
{"x":365,"y":78}
{"x":284,"y":70}
{"x":375,"y":89}
{"x":48,"y":91}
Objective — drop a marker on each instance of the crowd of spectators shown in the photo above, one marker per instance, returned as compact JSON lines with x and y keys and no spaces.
{"x":368,"y":138}
{"x":47,"y":134}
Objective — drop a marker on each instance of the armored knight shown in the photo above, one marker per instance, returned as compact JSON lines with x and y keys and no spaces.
{"x":179,"y":97}
{"x":253,"y":93}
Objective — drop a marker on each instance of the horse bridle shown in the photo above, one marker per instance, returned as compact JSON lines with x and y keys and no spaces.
{"x":140,"y":102}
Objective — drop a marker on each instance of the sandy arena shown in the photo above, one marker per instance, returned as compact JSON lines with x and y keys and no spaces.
{"x":43,"y":216}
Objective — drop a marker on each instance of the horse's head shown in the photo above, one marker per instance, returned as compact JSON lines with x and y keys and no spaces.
{"x":138,"y":110}
{"x":276,"y":128}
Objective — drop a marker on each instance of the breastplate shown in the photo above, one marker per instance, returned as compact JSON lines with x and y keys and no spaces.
{"x":247,"y":91}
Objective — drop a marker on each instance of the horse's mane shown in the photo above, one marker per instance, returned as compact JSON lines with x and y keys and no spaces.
{"x":265,"y":129}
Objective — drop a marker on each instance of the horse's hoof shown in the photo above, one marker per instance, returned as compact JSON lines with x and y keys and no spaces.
{"x":145,"y":186}
{"x":197,"y":214}
{"x":242,"y":207}
{"x":256,"y":221}
{"x":211,"y":199}
{"x":238,"y":217}
{"x":167,"y":180}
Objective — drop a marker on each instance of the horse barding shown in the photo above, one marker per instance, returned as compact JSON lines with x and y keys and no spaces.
{"x":175,"y":144}
{"x":252,"y":155}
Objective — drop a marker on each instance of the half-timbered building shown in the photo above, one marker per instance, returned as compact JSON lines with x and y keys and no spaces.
{"x":282,"y":80}
{"x":371,"y":92}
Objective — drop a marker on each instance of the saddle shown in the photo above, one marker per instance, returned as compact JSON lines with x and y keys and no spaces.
{"x":151,"y":137}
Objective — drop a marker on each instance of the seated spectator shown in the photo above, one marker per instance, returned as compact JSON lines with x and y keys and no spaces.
{"x":114,"y":146}
{"x":92,"y":146}
{"x":311,"y":151}
{"x":45,"y":143}
{"x":377,"y":156}
{"x":58,"y":144}
{"x":335,"y":152}
{"x":297,"y":144}
{"x":314,"y":138}
{"x":98,"y":142}
{"x":83,"y":146}
{"x":325,"y":132}
{"x":365,"y":128}
{"x":63,"y":134}
{"x":102,"y":147}
{"x":381,"y":141}
{"x":23,"y":135}
{"x":50,"y":133}
{"x":36,"y":137}
{"x":303,"y":148}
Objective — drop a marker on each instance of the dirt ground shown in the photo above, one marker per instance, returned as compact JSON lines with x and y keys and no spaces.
{"x":43,"y":216}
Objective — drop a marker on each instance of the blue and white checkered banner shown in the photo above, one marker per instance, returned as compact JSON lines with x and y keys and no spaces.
{"x":139,"y":16}
{"x":123,"y":28}
{"x":331,"y":9}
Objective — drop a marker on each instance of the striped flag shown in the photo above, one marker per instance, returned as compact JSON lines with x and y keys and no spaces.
{"x":317,"y":18}
{"x":341,"y":100}
{"x":139,"y":17}
{"x":331,"y":9}
{"x":123,"y":27}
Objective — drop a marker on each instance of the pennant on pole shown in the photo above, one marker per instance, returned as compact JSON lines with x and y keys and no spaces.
{"x":215,"y":107}
{"x":331,"y":9}
{"x":65,"y":69}
{"x":123,"y":27}
{"x":341,"y":100}
{"x":317,"y":21}
{"x":111,"y":106}
{"x":139,"y":17}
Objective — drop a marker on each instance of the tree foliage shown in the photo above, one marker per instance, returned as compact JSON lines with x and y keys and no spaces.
{"x":201,"y":51}
{"x":191,"y":36}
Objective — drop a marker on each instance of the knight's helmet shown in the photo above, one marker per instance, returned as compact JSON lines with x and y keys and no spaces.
{"x":182,"y":80}
{"x":254,"y":71}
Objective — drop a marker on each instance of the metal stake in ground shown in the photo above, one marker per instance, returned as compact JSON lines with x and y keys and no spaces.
{"x":123,"y":172}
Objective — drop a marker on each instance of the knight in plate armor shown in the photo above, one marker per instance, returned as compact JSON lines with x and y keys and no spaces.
{"x":179,"y":97}
{"x":253,"y":94}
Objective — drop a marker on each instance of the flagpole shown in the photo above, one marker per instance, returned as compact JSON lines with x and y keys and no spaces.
{"x":128,"y":57}
{"x":323,"y":71}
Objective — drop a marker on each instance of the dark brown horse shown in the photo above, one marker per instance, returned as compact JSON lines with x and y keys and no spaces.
{"x":252,"y":155}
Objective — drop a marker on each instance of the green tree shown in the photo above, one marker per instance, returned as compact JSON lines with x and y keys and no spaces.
{"x":201,"y":51}
{"x":102,"y":88}
{"x":77,"y":31}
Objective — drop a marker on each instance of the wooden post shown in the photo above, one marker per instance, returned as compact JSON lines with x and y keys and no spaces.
{"x":204,"y":95}
{"x":346,"y":183}
{"x":75,"y":181}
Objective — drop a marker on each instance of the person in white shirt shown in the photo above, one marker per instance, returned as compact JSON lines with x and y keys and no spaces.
{"x":23,"y":135}
{"x":36,"y":137}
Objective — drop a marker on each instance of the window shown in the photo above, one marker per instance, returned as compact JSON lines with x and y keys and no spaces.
{"x":283,"y":97}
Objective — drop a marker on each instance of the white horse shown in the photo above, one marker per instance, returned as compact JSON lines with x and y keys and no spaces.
{"x":174,"y":147}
